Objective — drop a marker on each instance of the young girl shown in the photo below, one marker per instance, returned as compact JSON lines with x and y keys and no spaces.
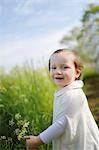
{"x":73,"y":127}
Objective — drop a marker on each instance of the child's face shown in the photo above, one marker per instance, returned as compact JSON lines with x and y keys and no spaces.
{"x":62,"y":69}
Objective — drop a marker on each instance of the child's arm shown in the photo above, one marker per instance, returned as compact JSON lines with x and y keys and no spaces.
{"x":52,"y":132}
{"x":57,"y":128}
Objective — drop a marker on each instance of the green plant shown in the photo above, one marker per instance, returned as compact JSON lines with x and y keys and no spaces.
{"x":25,"y":106}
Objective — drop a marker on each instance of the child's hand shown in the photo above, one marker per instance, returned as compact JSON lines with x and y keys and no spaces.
{"x":32,"y":142}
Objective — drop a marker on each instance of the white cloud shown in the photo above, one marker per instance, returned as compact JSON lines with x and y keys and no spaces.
{"x":26,"y":7}
{"x":44,"y":20}
{"x":19,"y":50}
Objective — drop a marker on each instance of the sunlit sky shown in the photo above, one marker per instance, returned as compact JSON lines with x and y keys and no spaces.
{"x":32,"y":29}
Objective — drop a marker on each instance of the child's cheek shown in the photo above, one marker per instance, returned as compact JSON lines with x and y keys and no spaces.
{"x":69,"y":73}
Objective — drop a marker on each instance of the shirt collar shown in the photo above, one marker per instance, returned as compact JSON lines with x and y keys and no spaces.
{"x":74,"y":85}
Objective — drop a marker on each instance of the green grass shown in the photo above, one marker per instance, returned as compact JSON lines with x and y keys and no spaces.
{"x":28,"y":93}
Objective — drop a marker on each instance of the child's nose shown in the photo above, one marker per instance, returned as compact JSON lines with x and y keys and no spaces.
{"x":58,"y":71}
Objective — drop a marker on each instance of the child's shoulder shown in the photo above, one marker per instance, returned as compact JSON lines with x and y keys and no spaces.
{"x":74,"y":96}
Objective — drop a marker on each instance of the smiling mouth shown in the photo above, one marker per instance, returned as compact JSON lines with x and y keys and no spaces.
{"x":59,"y":78}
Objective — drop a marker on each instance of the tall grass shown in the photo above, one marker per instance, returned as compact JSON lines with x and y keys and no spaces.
{"x":26,"y":98}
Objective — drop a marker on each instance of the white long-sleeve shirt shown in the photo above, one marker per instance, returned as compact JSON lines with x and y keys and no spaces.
{"x":73,"y":125}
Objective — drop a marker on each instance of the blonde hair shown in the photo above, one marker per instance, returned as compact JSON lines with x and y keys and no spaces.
{"x":77,"y":60}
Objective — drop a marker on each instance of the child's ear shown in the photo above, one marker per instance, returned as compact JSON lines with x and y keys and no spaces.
{"x":78,"y":73}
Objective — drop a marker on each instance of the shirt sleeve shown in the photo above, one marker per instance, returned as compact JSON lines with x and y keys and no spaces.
{"x":54,"y":131}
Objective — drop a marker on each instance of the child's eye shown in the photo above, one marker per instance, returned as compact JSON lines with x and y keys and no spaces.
{"x":65,"y":67}
{"x":53,"y":68}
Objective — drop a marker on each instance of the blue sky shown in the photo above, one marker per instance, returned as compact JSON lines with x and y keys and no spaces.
{"x":32,"y":29}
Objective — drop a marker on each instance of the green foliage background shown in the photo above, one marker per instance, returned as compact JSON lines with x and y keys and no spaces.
{"x":25,"y":105}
